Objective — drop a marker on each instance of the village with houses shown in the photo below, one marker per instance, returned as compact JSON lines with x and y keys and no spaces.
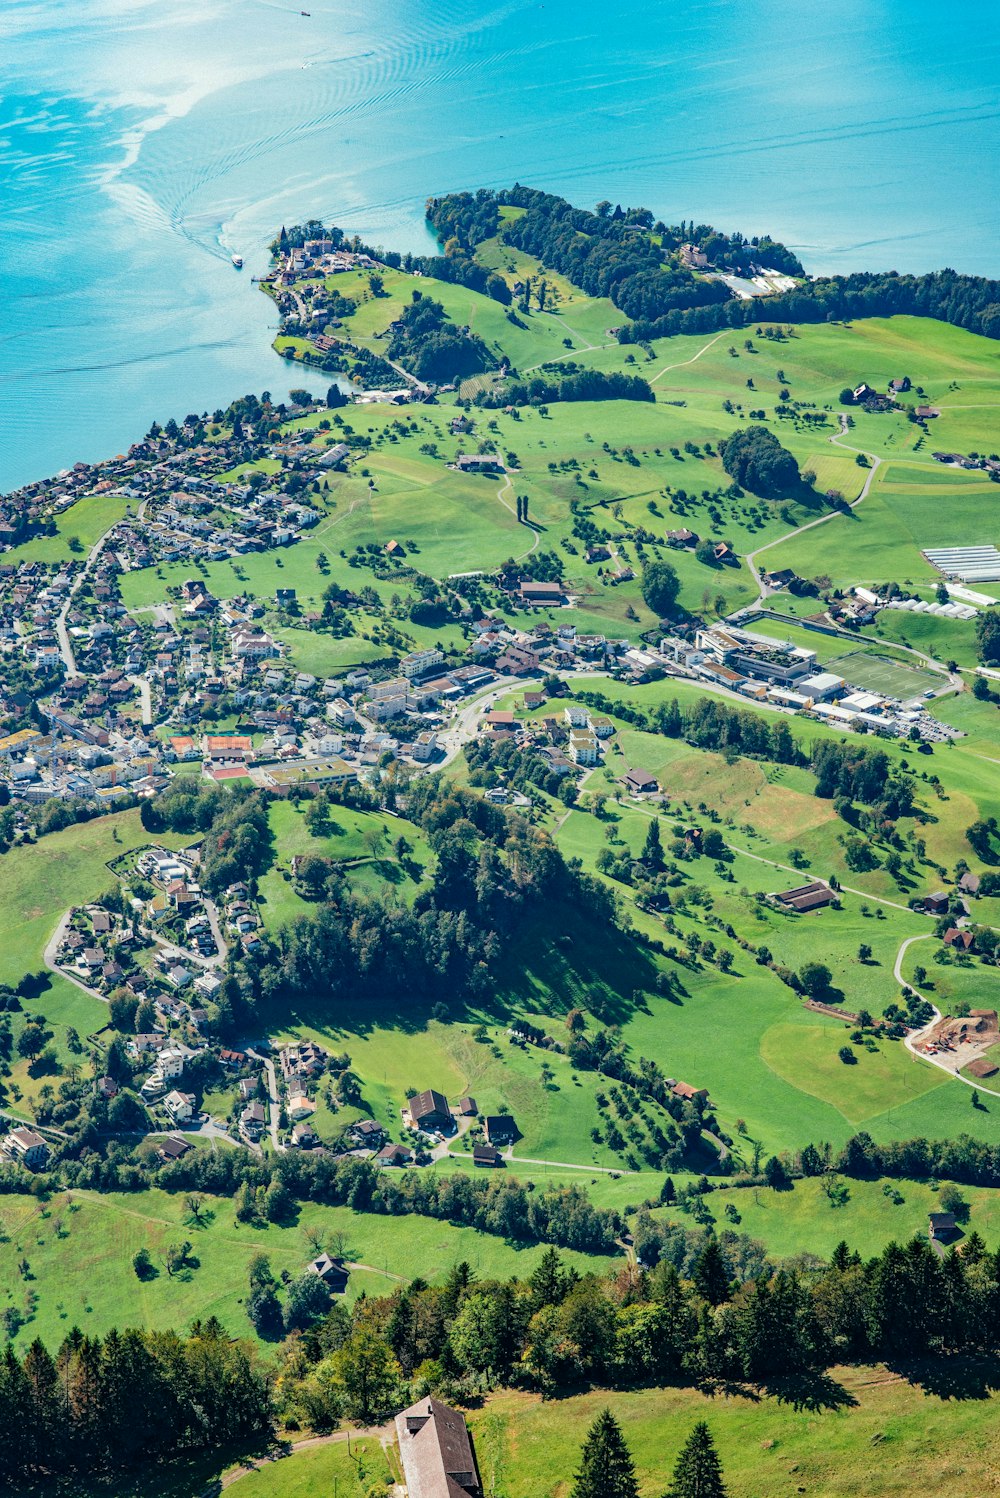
{"x":461,"y":828}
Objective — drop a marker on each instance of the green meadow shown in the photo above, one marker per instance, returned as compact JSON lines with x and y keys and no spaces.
{"x":79,"y":1247}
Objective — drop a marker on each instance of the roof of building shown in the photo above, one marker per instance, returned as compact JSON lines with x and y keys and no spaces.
{"x":427,"y":1104}
{"x":436,"y":1452}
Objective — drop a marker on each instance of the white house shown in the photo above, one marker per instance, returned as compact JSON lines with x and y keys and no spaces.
{"x":180,"y":1106}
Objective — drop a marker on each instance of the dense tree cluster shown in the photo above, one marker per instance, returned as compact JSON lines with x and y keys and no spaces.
{"x":449,"y":946}
{"x":557,"y":1332}
{"x":103,"y":1405}
{"x":755,"y":459}
{"x":971,"y":302}
{"x":988,"y":636}
{"x":432,"y":347}
{"x":617,"y":253}
{"x":582,"y":385}
{"x":237,"y":842}
{"x":660,"y":587}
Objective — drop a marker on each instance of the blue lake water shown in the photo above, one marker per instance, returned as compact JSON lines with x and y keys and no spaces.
{"x":142,"y":142}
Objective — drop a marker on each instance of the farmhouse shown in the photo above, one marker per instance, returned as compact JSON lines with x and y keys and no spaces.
{"x":479,"y":463}
{"x":937,"y":903}
{"x":532,"y":592}
{"x":640,"y":782}
{"x":959,"y":941}
{"x":942,"y":1227}
{"x":331,"y":1272}
{"x":436,"y":1452}
{"x":500,"y":1129}
{"x":689,"y":1094}
{"x":806,"y":896}
{"x":485,"y":1155}
{"x":429,"y":1110}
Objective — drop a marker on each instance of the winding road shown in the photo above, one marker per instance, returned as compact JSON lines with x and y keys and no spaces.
{"x":837,"y":441}
{"x":912,"y":1040}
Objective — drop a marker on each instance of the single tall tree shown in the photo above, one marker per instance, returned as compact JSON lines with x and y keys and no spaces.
{"x":606,"y":1467}
{"x":652,"y":852}
{"x":698,"y":1472}
{"x":711,"y":1273}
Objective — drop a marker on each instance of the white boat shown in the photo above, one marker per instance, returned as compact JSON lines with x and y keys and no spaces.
{"x":238,"y":261}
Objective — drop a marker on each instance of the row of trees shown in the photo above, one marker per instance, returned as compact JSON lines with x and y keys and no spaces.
{"x":582,"y":385}
{"x":558,"y":1332}
{"x":971,"y":302}
{"x":845,"y":771}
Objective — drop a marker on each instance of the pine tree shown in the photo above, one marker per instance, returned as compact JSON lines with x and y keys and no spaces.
{"x":711,"y":1274}
{"x":606,"y":1467}
{"x":548,"y":1283}
{"x":698,"y":1472}
{"x":652,"y":851}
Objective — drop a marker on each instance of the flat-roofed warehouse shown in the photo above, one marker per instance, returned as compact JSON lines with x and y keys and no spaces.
{"x":970,"y":564}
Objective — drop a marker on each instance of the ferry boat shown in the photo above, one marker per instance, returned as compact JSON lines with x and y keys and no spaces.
{"x":238,"y":261}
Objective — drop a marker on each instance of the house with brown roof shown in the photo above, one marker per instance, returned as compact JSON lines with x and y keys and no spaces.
{"x":436,"y":1453}
{"x":485,"y":1155}
{"x":806,"y":896}
{"x":172,"y":1148}
{"x":640,"y":782}
{"x":943,"y":1228}
{"x":394,"y":1154}
{"x":429,"y":1111}
{"x":501,"y":722}
{"x":687,"y":1093}
{"x":937,"y":903}
{"x":26,"y":1147}
{"x":959,"y":941}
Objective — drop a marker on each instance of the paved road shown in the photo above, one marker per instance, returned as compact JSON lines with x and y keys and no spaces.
{"x":385,"y":1434}
{"x":62,"y":633}
{"x":837,"y":440}
{"x":949,"y":1067}
{"x":273,"y":1099}
{"x":49,"y":959}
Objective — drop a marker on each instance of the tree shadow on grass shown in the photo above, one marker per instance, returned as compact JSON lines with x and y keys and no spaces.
{"x":814,"y":1392}
{"x":953,"y":1377}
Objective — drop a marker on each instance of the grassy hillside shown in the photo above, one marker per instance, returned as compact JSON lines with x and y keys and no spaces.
{"x":79,"y":1248}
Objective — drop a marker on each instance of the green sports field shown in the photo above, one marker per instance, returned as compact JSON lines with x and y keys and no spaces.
{"x":877,"y":673}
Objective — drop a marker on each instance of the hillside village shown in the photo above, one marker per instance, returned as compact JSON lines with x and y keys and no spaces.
{"x":468,"y":824}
